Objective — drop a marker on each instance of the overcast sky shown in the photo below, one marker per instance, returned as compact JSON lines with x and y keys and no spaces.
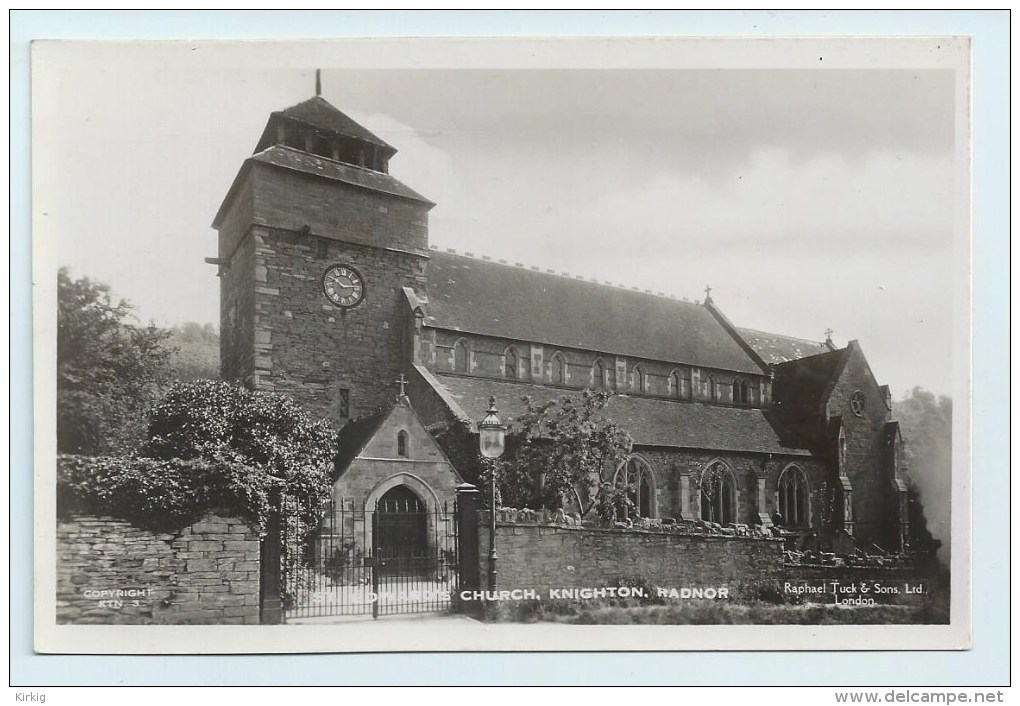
{"x":807,"y":198}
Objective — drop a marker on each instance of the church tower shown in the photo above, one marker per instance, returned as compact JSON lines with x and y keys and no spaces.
{"x":320,"y":253}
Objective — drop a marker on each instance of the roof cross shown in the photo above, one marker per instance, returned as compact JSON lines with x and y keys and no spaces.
{"x":828,"y":334}
{"x":402,"y":381}
{"x":708,"y":293}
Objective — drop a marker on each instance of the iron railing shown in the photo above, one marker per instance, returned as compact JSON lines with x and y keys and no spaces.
{"x":397,"y":557}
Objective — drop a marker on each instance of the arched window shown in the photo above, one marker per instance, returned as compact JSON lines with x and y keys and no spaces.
{"x":842,"y":451}
{"x":640,"y":380}
{"x":680,"y":384}
{"x":635,"y":476}
{"x":557,"y":369}
{"x":741,"y":391}
{"x":510,"y":363}
{"x":460,"y":356}
{"x":718,"y":494}
{"x":402,"y":443}
{"x":793,"y":498}
{"x":598,"y":375}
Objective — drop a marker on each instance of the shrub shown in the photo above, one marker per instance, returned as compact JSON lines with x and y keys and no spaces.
{"x":159,"y":494}
{"x":210,"y":446}
{"x":767,"y":591}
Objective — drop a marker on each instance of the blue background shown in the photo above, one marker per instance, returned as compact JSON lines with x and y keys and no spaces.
{"x":987,"y":663}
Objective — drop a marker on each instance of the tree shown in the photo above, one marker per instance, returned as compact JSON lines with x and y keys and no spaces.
{"x":566,"y":448}
{"x":108,"y":369}
{"x":210,"y":446}
{"x":230,"y":426}
{"x":927,"y":425}
{"x":194,"y":351}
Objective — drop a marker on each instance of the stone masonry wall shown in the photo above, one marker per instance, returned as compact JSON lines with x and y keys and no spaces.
{"x":338,"y":363}
{"x":110,"y":572}
{"x":543,"y":557}
{"x":671,"y":466}
{"x":291,"y":200}
{"x":379,"y":462}
{"x":280,"y":231}
{"x":237,"y":307}
{"x":485,"y":358}
{"x":866,"y":458}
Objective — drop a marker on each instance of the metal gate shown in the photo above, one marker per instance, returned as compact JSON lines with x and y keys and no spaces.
{"x":398,"y":557}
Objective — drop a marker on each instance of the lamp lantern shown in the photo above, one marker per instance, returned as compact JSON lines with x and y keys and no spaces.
{"x":491,"y":433}
{"x":492,"y":444}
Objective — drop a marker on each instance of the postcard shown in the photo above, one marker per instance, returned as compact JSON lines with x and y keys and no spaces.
{"x":502,"y":345}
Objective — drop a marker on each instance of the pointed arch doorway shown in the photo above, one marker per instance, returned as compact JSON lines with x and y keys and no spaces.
{"x":401,"y":532}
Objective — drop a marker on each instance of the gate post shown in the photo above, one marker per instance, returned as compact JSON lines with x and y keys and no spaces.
{"x":270,"y":554}
{"x":468,"y":501}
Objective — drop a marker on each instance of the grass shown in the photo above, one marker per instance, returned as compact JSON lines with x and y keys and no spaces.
{"x":712,"y":613}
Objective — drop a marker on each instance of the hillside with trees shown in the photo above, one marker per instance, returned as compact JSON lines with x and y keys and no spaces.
{"x":111,"y":369}
{"x":927,"y":425}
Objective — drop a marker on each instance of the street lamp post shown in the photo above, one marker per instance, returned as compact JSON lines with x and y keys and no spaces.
{"x":492,"y":443}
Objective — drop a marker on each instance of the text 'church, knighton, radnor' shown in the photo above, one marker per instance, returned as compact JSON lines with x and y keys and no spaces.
{"x":330,"y":292}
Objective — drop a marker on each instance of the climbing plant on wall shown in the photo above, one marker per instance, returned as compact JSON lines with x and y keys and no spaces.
{"x":564,"y":449}
{"x":209,"y":446}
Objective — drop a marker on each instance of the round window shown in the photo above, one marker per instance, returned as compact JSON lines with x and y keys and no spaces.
{"x":857,"y":403}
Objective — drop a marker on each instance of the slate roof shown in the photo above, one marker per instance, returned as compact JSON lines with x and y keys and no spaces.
{"x":799,"y":393}
{"x":290,"y":158}
{"x":518,"y":303}
{"x":774,"y":348}
{"x":321,"y":113}
{"x":650,"y":422}
{"x":352,"y":438}
{"x":802,"y":386}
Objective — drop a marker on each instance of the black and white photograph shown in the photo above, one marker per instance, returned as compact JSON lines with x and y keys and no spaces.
{"x":380,"y":345}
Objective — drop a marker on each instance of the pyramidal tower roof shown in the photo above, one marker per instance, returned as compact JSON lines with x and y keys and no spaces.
{"x":321,"y":113}
{"x":318,"y":116}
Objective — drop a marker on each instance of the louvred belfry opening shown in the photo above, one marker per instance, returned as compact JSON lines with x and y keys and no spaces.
{"x":316,"y":127}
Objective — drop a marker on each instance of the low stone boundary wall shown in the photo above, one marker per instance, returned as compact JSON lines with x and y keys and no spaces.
{"x":111,"y":572}
{"x":852,"y":574}
{"x":542,"y":557}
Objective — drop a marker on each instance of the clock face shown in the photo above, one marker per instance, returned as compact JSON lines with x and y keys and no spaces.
{"x":343,"y":286}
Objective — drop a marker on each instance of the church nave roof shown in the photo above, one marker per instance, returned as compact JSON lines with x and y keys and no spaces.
{"x":521,"y":304}
{"x":650,"y":422}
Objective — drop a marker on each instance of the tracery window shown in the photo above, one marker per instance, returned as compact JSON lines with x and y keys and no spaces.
{"x":598,"y":375}
{"x":857,"y":404}
{"x":793,"y":498}
{"x":636,"y":477}
{"x":402,"y":443}
{"x":718,"y":494}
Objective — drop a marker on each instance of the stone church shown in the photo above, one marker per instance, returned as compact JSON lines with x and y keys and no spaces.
{"x":331,"y":292}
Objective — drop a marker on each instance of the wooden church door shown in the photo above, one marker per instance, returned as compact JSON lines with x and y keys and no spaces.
{"x":402,"y":532}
